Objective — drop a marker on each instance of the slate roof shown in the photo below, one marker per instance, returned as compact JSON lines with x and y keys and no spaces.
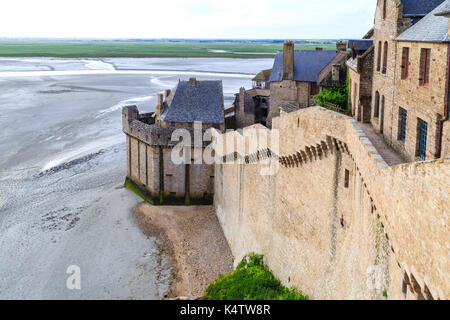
{"x":444,"y":9}
{"x":431,"y":28}
{"x":419,"y":8}
{"x":202,"y":102}
{"x":307,"y":65}
{"x":360,"y":44}
{"x":324,"y":76}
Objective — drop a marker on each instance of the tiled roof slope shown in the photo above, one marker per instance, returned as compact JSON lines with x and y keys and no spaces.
{"x":307,"y":65}
{"x":444,"y":9}
{"x":419,"y":8}
{"x":340,"y":58}
{"x":200,"y":102}
{"x":431,"y":28}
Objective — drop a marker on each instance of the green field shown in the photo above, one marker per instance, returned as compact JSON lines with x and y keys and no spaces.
{"x":136,"y":49}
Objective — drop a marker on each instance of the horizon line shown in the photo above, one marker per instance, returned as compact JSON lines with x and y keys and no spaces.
{"x":166,"y":38}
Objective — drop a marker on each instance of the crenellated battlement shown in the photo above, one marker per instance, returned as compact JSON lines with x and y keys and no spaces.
{"x":338,"y":199}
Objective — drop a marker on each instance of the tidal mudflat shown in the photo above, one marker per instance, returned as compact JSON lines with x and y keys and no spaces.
{"x":62,"y":167}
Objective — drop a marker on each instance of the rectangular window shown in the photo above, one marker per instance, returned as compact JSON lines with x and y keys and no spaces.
{"x":425,"y":62}
{"x":347,"y":178}
{"x":314,"y":88}
{"x":385,"y":57}
{"x":422,"y":129}
{"x":405,"y":63}
{"x":402,"y":116}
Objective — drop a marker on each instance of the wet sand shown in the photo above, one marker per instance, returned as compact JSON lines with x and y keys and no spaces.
{"x":195,"y":242}
{"x":62,"y":168}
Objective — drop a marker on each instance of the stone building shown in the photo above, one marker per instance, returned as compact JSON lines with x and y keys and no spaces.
{"x":150,"y":143}
{"x":360,"y":69}
{"x":252,"y":106}
{"x":410,"y":76}
{"x":261,"y":80}
{"x":297,"y":76}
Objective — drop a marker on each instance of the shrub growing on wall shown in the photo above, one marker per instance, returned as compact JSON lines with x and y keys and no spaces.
{"x":336,"y":96}
{"x":251,"y":280}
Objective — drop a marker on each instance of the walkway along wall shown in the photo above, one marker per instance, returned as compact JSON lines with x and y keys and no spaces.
{"x":336,"y":221}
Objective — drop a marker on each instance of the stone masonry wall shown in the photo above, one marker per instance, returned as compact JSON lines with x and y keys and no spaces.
{"x":336,"y":221}
{"x":288,"y":91}
{"x":426,"y":103}
{"x":385,"y":31}
{"x":151,"y":169}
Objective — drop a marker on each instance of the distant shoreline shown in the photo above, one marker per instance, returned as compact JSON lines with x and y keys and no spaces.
{"x":126,"y":49}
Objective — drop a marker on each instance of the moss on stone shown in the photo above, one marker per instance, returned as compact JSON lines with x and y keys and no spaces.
{"x":132,"y":187}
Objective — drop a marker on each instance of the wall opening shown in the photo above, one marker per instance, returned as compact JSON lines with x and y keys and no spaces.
{"x":347,"y":178}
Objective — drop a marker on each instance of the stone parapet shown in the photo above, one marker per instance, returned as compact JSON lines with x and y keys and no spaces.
{"x":406,"y":205}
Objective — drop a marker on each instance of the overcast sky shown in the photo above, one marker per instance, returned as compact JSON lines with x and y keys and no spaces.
{"x":278,"y":19}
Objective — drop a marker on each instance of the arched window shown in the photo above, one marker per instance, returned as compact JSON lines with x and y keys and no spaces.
{"x":384,"y":9}
{"x":385,"y":57}
{"x":379,"y":57}
{"x":376,"y":112}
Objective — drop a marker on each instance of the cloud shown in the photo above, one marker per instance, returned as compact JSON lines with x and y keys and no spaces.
{"x":187,"y":18}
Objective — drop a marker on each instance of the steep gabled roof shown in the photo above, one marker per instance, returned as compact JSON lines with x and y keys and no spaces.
{"x":419,"y":8}
{"x":444,"y":9}
{"x":307,"y":65}
{"x":200,"y":102}
{"x":340,"y":58}
{"x":432,"y":28}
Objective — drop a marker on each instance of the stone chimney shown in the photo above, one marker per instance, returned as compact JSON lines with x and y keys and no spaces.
{"x":288,"y":60}
{"x":192,"y":81}
{"x":341,"y":46}
{"x":168,"y":93}
{"x":336,"y":73}
{"x":159,"y":106}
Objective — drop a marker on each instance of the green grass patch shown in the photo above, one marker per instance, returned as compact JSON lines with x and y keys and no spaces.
{"x":251,"y":280}
{"x":136,"y":49}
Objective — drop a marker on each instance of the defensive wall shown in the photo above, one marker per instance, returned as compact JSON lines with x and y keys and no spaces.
{"x":336,"y":221}
{"x":150,"y":166}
